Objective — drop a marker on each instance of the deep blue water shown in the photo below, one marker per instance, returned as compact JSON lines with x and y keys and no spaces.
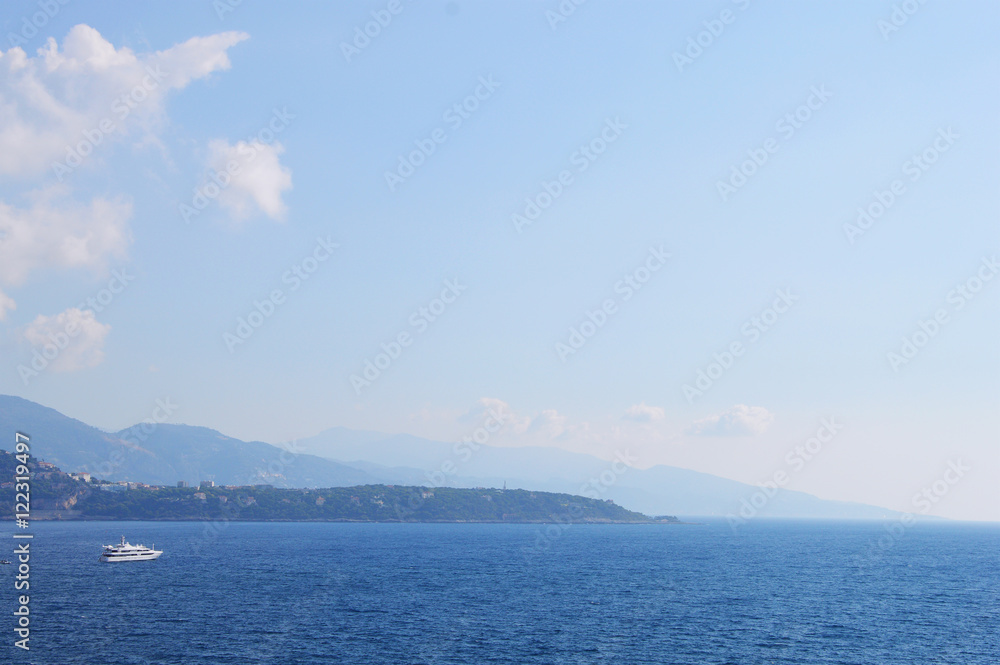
{"x":772,"y":592}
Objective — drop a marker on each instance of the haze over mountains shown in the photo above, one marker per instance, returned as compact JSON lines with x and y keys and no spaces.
{"x":164,"y":453}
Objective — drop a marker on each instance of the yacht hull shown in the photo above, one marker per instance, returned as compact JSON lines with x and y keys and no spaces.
{"x":128,"y":552}
{"x":130,"y":557}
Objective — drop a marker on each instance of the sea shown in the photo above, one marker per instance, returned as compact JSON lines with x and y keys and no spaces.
{"x":763,"y":592}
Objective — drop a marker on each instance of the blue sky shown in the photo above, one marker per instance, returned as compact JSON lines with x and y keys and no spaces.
{"x":869,"y":100}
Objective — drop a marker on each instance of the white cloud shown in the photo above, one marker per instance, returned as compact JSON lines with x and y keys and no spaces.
{"x":61,"y":234}
{"x":740,"y":420}
{"x":549,"y":427}
{"x":6,"y":303}
{"x":482,"y":408}
{"x":52,"y":102}
{"x":643,"y":413}
{"x":491,"y":407}
{"x":75,"y":335}
{"x":197,"y":57}
{"x":524,"y":429}
{"x":72,"y":101}
{"x":258,"y":182}
{"x":549,"y":423}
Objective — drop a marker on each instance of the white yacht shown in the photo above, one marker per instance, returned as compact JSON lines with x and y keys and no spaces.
{"x":128,"y":552}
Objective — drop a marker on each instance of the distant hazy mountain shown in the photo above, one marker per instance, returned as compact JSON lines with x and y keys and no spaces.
{"x":341,"y":457}
{"x":165,"y":453}
{"x":405,"y":459}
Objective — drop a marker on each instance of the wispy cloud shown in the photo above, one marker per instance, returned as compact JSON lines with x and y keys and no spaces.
{"x":739,"y":420}
{"x":75,"y":334}
{"x":78,"y":98}
{"x":60,"y":110}
{"x":56,"y":232}
{"x":6,"y":303}
{"x":258,"y":184}
{"x":643,"y":413}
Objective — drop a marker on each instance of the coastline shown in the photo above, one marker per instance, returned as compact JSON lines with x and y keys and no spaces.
{"x":75,"y":516}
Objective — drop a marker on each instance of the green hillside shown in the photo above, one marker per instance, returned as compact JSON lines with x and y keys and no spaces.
{"x":365,"y":503}
{"x":59,"y":496}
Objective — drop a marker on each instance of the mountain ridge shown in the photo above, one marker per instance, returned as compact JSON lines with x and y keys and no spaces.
{"x":165,"y":453}
{"x":339,"y":457}
{"x":656,"y":489}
